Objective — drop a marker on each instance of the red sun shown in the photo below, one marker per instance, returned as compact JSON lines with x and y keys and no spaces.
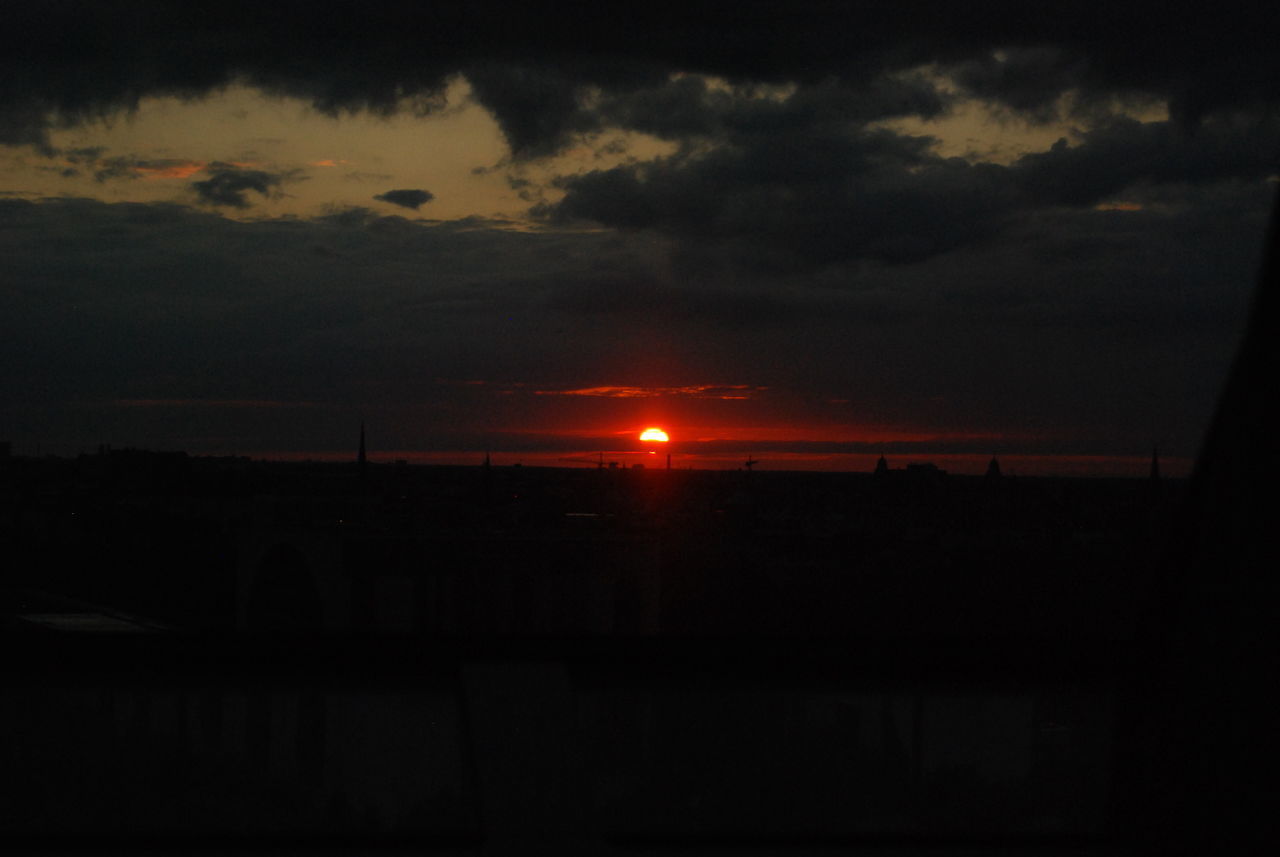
{"x":654,"y":434}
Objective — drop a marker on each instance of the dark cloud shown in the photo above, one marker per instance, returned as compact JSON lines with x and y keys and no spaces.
{"x":689,"y":107}
{"x":414,"y":199}
{"x":550,"y":77}
{"x":83,"y":155}
{"x":116,"y":168}
{"x":793,"y":184}
{"x":537,"y":109}
{"x":228,"y":184}
{"x":1124,"y":153}
{"x":1027,"y":80}
{"x":802,"y":199}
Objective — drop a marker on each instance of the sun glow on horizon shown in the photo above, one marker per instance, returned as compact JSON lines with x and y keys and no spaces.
{"x":654,"y":434}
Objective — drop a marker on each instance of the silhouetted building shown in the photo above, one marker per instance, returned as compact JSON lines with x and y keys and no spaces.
{"x":925,"y":471}
{"x":882,"y":467}
{"x":135,"y":469}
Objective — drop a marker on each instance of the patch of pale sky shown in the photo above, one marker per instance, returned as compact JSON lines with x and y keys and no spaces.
{"x":980,"y":131}
{"x":763,"y":91}
{"x":457,"y":153}
{"x":335,"y":161}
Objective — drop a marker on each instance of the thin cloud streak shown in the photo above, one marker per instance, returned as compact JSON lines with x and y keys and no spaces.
{"x":211,"y":403}
{"x":696,"y":391}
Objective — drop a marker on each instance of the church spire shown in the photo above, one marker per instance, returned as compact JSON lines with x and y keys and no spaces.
{"x":993,"y":469}
{"x":360,"y":458}
{"x":1155,"y":464}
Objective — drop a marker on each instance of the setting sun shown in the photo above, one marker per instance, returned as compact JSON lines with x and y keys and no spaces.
{"x":654,"y":434}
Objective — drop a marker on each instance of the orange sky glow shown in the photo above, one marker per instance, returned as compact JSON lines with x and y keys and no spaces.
{"x":730,"y":392}
{"x":181,"y":170}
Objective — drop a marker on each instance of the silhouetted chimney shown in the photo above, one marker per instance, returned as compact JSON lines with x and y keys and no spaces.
{"x":993,"y":470}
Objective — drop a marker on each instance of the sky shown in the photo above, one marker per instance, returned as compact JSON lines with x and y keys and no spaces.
{"x":810,"y":234}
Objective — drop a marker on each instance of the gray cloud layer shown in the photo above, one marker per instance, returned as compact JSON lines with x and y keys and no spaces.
{"x":1084,"y":326}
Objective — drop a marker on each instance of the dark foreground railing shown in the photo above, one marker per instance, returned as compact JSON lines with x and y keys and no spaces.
{"x":594,"y":745}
